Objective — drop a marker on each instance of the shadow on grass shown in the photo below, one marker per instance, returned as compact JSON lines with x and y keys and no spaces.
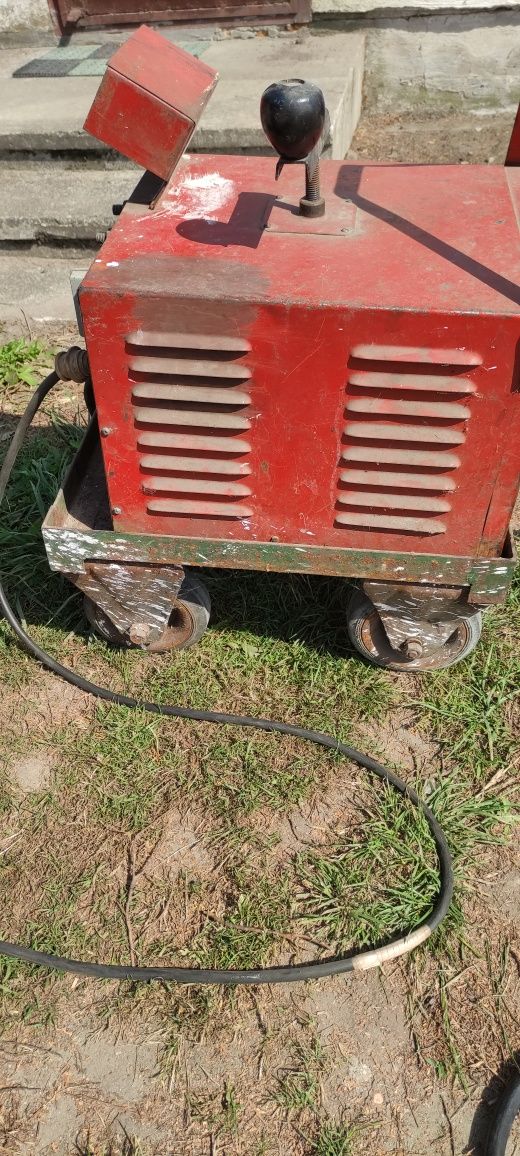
{"x":35,"y":592}
{"x":489,"y":1105}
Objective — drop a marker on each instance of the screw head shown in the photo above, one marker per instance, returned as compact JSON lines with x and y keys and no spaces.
{"x":117,"y":510}
{"x":105,"y":431}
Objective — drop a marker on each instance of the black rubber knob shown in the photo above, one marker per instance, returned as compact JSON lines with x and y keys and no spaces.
{"x":293,"y":115}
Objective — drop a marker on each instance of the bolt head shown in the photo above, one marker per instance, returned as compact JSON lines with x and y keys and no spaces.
{"x":139,"y":633}
{"x":117,"y":510}
{"x":105,"y":431}
{"x":412,"y":648}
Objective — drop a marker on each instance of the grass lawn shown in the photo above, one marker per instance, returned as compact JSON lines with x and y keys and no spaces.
{"x":124,"y":836}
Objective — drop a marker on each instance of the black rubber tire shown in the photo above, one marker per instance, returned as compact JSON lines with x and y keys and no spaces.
{"x":507,"y":1110}
{"x":102,"y":625}
{"x":188,"y":620}
{"x":363,"y":620}
{"x":194,"y":596}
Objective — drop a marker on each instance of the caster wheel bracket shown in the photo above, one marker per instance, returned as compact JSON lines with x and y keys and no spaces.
{"x":136,"y":599}
{"x":415,"y":636}
{"x":412,"y":627}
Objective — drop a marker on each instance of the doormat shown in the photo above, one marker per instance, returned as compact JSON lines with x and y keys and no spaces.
{"x":86,"y":59}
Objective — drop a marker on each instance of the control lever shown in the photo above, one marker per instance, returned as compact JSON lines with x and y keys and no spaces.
{"x":296,"y":122}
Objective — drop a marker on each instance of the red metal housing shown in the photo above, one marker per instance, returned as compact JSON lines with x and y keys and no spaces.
{"x":513,"y":152}
{"x":352,"y":381}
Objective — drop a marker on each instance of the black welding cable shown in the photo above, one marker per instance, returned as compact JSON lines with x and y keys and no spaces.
{"x":289,"y":973}
{"x":508,"y":1109}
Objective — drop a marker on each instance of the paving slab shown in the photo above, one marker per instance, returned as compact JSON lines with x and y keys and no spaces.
{"x":43,"y":114}
{"x":47,"y":114}
{"x":37,"y":288}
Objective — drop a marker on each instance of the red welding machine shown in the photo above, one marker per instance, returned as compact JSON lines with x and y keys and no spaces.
{"x":313,"y":368}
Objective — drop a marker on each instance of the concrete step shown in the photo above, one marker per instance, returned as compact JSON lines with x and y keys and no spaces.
{"x":70,"y":200}
{"x":54,"y":203}
{"x":41,"y":114}
{"x":35,"y":288}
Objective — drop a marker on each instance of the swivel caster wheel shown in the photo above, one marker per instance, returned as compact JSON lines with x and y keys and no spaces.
{"x":188,"y":621}
{"x":368,"y":635}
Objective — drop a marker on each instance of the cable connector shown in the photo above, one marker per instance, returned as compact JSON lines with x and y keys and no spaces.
{"x":72,"y":364}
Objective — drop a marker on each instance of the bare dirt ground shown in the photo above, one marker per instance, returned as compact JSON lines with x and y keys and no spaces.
{"x":86,"y":1081}
{"x":458,"y":138}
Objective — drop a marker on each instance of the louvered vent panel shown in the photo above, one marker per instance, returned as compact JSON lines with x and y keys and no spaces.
{"x":406,"y":418}
{"x":190,"y":396}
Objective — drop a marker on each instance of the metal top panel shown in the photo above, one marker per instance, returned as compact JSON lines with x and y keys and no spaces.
{"x":442,"y":238}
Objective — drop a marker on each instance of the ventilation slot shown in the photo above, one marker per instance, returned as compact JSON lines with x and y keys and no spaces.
{"x":403,"y":481}
{"x":190,"y":397}
{"x":200,"y":509}
{"x":151,"y":462}
{"x":422,"y":382}
{"x":378,"y":499}
{"x":416,"y":354}
{"x":383,"y":523}
{"x":388,"y":408}
{"x":174,"y":415}
{"x":404,"y":432}
{"x":401,"y":457}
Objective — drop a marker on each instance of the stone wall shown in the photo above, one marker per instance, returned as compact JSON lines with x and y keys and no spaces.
{"x":24,"y":15}
{"x":444,"y":63}
{"x":444,"y":54}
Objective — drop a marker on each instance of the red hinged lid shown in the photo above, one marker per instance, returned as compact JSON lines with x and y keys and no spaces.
{"x":150,"y":100}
